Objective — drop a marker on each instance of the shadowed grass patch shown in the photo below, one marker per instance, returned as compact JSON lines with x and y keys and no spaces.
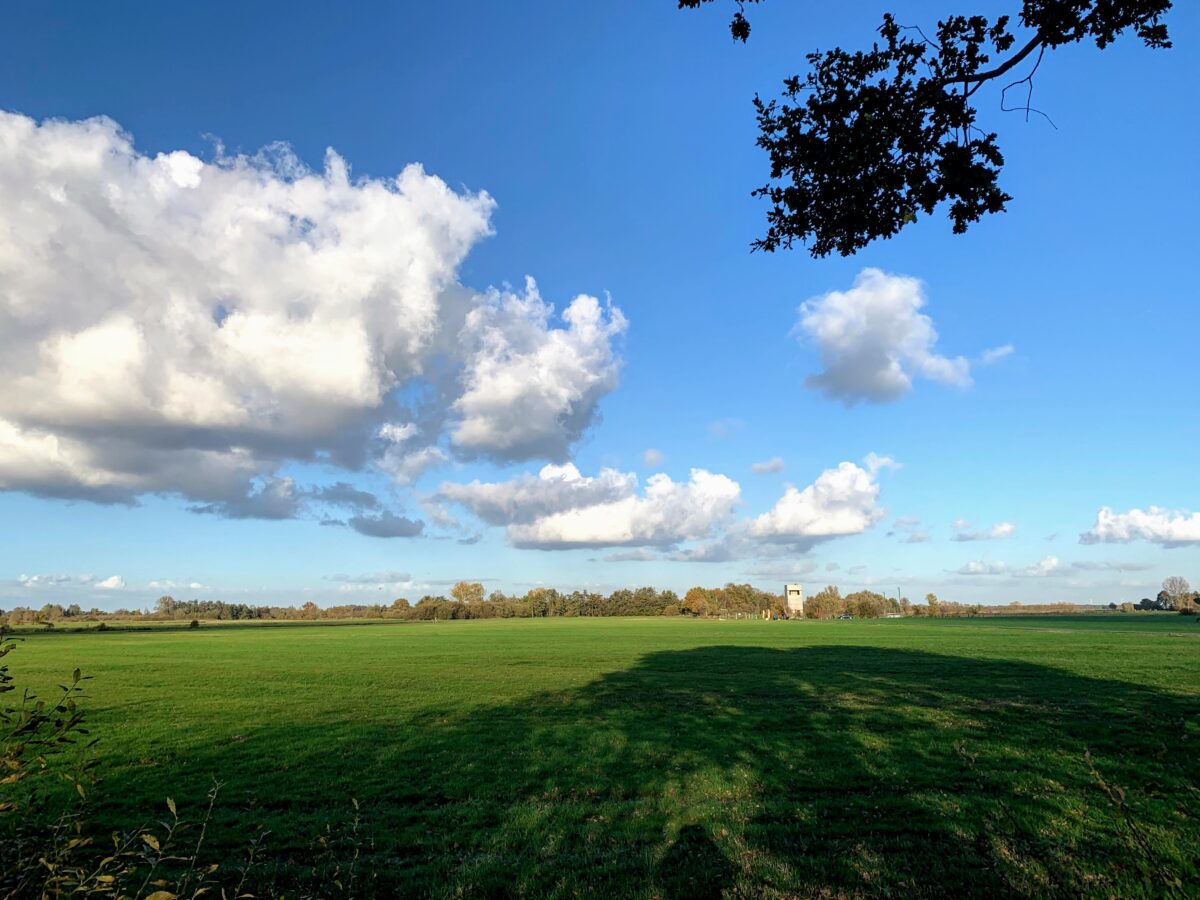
{"x":623,"y":760}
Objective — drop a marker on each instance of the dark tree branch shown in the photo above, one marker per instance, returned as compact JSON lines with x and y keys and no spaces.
{"x":866,"y":141}
{"x":1007,"y":66}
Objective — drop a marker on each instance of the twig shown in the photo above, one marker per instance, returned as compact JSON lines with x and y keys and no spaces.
{"x":1028,"y":81}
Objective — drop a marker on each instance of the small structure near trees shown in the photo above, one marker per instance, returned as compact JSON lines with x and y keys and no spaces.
{"x":793,"y":600}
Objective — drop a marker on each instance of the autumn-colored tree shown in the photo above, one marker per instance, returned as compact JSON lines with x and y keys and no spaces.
{"x":697,"y":602}
{"x":467,"y":592}
{"x":825,"y":604}
{"x":538,"y":601}
{"x":935,"y":606}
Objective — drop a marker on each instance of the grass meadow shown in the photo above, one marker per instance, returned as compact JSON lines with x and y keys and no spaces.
{"x":670,"y":757}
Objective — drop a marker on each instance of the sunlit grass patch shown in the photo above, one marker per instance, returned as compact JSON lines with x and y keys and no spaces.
{"x":657,"y":758}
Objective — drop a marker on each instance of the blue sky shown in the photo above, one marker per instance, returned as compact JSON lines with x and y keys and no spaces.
{"x":617,"y":143}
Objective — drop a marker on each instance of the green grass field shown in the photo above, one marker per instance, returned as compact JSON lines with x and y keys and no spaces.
{"x":671,"y":757}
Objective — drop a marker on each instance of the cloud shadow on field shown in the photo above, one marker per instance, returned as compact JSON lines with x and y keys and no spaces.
{"x":744,"y":771}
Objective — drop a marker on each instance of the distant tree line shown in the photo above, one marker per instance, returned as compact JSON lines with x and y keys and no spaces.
{"x":469,"y":600}
{"x":1176,"y":596}
{"x":733,"y":599}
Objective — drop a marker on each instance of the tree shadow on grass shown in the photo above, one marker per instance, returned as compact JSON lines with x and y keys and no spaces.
{"x":746,"y":771}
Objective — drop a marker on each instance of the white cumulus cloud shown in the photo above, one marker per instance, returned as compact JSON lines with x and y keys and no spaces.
{"x":530,"y":389}
{"x":666,"y":512}
{"x":1044,"y":568}
{"x":175,"y":325}
{"x":1168,"y":528}
{"x":874,"y":340}
{"x":841,"y":501}
{"x":167,"y":584}
{"x":54,"y":580}
{"x":526,"y":498}
{"x":560,"y":508}
{"x":111,"y":583}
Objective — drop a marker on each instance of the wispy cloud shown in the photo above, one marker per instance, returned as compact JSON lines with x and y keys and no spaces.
{"x":767,"y":466}
{"x":908,"y":529}
{"x":990,"y":357}
{"x":983,"y":567}
{"x":388,"y":576}
{"x":723,"y":428}
{"x":639,"y":555}
{"x":964,"y":532}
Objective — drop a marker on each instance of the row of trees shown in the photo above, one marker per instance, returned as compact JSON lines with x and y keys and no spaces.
{"x":729,"y":600}
{"x":469,"y":600}
{"x":1176,"y":595}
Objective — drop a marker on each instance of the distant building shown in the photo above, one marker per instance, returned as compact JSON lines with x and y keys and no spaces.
{"x":793,"y":599}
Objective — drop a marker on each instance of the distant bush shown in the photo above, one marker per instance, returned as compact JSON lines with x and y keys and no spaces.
{"x":195,"y":623}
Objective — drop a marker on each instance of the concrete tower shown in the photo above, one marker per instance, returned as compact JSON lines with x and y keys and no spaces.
{"x":793,"y":598}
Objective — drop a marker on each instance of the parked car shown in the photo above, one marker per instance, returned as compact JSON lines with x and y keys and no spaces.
{"x":845,"y":616}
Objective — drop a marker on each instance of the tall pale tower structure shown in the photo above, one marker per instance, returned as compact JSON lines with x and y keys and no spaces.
{"x":793,"y":599}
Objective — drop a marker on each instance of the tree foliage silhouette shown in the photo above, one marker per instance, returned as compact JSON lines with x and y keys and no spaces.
{"x":867,"y":140}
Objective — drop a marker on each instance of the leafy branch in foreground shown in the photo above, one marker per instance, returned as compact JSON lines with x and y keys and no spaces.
{"x":867,"y":140}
